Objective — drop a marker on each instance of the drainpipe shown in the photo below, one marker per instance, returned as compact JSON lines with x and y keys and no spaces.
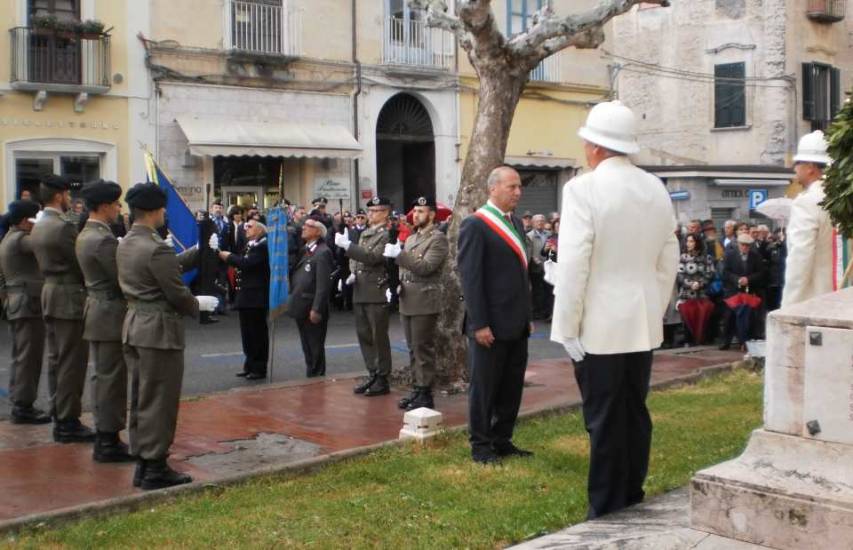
{"x":357,"y":63}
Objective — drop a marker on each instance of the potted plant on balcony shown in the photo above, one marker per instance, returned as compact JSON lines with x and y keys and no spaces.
{"x":44,"y":24}
{"x":91,"y":29}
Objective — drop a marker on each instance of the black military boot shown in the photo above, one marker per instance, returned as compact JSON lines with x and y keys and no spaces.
{"x":404,"y":403}
{"x":423,"y":399}
{"x":159,"y":475}
{"x":72,"y":431}
{"x":29,"y":415}
{"x":109,"y":448}
{"x":139,"y":472}
{"x":380,"y":386}
{"x":361,"y":388}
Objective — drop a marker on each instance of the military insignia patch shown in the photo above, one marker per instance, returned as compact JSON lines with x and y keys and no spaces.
{"x":422,"y":201}
{"x":307,"y":268}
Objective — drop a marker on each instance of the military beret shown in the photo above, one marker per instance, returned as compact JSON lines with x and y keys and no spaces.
{"x":63,"y":183}
{"x":320,"y":200}
{"x":424,"y":201}
{"x":100,"y":192}
{"x":379,"y":201}
{"x":20,"y":210}
{"x":146,"y":196}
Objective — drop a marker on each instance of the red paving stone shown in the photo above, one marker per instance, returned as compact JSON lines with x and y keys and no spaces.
{"x":37,"y":475}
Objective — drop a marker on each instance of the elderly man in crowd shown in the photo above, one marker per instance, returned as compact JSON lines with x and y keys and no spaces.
{"x":251,"y":300}
{"x":310,"y":289}
{"x":618,"y":260}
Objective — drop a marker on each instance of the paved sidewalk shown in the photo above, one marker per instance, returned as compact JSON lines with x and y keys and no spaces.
{"x":226,"y":435}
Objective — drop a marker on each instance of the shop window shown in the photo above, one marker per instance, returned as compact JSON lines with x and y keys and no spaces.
{"x":31,"y":168}
{"x":729,"y":95}
{"x":67,"y":10}
{"x":821,"y":94}
{"x":520,"y":12}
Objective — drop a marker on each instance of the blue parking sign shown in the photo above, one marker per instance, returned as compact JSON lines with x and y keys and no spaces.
{"x":756,"y":197}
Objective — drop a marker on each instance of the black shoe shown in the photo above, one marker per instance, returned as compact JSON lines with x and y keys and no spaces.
{"x":139,"y":472}
{"x":72,"y":431}
{"x":422,"y":399}
{"x":29,"y":415}
{"x":159,"y":475}
{"x":241,"y":374}
{"x":726,"y":346}
{"x":380,"y":386}
{"x":256,"y":376}
{"x":361,"y":388}
{"x":404,"y":402}
{"x":511,"y":450}
{"x":486,"y":458}
{"x":109,"y":448}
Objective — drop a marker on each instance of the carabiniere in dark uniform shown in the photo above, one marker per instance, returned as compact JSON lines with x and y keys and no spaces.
{"x":21,"y":293}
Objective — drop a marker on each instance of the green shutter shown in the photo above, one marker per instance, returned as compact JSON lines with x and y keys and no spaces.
{"x":808,"y":92}
{"x":834,"y":92}
{"x":729,"y":95}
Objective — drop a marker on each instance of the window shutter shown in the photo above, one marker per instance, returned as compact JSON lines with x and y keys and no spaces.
{"x":729,"y":95}
{"x":834,"y":92}
{"x":808,"y":92}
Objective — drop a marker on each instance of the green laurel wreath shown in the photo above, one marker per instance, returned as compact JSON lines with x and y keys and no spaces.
{"x":839,"y":176}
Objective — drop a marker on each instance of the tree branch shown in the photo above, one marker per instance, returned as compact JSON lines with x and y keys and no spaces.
{"x":551,"y":33}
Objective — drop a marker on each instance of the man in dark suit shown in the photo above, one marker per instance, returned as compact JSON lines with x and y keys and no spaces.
{"x":744,"y":270}
{"x":493,"y":263}
{"x":310,"y":288}
{"x":252,"y":283}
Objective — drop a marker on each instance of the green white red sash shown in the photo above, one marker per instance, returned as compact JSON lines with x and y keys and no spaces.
{"x":840,"y":260}
{"x":505,"y":230}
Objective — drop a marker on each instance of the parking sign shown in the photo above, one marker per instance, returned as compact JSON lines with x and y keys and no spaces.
{"x":756,"y":197}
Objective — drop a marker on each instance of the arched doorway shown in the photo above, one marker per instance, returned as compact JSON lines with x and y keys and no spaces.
{"x":405,"y":151}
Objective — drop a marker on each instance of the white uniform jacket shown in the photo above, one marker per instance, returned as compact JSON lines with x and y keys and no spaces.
{"x":617,"y":260}
{"x":808,"y":268}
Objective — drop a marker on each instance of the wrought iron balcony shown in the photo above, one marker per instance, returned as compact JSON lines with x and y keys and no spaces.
{"x":46,"y":60}
{"x":548,"y":70}
{"x":826,"y":11}
{"x":265,"y":27}
{"x":410,"y":42}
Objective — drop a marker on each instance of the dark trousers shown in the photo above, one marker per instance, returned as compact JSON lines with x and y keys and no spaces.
{"x":494,"y":394}
{"x":539,"y":295}
{"x":27,"y":355}
{"x":256,"y":340}
{"x":313,"y":338}
{"x":371,"y":327}
{"x":67,"y":360}
{"x":614,"y":390}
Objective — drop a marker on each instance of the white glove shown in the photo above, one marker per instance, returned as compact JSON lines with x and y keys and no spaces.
{"x":388,"y":295}
{"x":119,"y":239}
{"x":392,"y":250}
{"x":207,"y":303}
{"x":169,"y":241}
{"x":213,"y":243}
{"x":351,"y":279}
{"x":574,"y":349}
{"x":342,"y":240}
{"x":340,"y":285}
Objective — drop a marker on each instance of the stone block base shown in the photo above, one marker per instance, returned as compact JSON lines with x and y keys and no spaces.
{"x":784,"y":492}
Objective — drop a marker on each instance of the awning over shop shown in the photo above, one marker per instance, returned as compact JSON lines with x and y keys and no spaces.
{"x":273,"y":138}
{"x":541,"y":162}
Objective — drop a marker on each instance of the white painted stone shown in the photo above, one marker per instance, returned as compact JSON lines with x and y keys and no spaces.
{"x":828,"y":390}
{"x":421,"y":424}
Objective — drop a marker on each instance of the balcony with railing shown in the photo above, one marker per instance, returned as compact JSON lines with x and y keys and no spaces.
{"x":409,"y":41}
{"x":263,"y":27}
{"x":826,"y":11}
{"x":548,"y":70}
{"x":47,"y":60}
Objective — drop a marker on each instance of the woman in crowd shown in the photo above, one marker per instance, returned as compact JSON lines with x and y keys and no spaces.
{"x":695,"y":273}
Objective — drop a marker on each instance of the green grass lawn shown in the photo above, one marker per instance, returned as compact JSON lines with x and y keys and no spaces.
{"x":435,"y":497}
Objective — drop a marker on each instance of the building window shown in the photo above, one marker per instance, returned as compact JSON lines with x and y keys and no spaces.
{"x":258,"y":26}
{"x":30,"y":168}
{"x":821,"y":94}
{"x":66,"y":10}
{"x":519,"y":13}
{"x":729,"y":95}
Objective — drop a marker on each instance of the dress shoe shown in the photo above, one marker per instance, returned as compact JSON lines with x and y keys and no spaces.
{"x":72,"y":431}
{"x":509,"y":450}
{"x":29,"y":415}
{"x":159,"y":475}
{"x":404,"y":402}
{"x":422,"y":399}
{"x":361,"y":388}
{"x":109,"y":448}
{"x":486,"y":458}
{"x":241,"y":374}
{"x":139,"y":472}
{"x":380,"y":386}
{"x":725,"y":346}
{"x":256,"y":376}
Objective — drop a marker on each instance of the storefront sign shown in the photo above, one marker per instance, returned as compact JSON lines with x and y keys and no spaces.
{"x":337,"y":189}
{"x":679,"y":195}
{"x":73,"y":124}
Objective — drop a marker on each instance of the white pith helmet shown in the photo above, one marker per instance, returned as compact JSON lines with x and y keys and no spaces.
{"x":812,"y":148}
{"x":613,"y":126}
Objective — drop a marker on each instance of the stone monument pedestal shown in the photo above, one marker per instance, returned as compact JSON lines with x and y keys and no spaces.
{"x":792,"y":487}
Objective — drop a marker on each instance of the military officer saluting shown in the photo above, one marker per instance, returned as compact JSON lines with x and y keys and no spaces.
{"x":105,"y":310}
{"x":149,"y":273}
{"x":21,"y":294}
{"x":420,"y":270}
{"x":63,"y":299}
{"x":369,"y":274}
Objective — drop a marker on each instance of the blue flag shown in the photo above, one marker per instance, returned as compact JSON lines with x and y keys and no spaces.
{"x":182,"y":223}
{"x":277,"y":246}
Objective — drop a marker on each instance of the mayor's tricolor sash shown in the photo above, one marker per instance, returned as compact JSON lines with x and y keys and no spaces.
{"x":505,"y":230}
{"x":841,"y":265}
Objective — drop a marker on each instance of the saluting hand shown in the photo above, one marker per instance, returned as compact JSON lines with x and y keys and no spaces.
{"x":484,"y":337}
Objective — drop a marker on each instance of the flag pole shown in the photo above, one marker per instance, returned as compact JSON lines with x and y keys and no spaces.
{"x":271,"y":360}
